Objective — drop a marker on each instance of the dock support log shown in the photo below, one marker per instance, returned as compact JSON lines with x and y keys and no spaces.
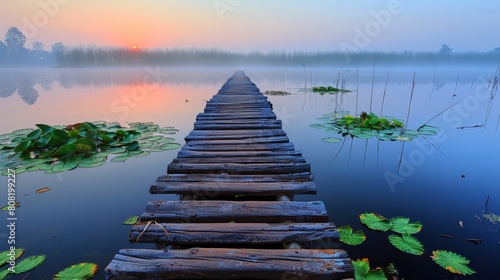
{"x":236,"y":178}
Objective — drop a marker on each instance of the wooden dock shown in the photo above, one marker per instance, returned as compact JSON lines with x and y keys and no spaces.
{"x":236,"y":176}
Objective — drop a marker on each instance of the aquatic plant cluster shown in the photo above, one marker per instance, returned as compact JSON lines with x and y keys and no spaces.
{"x":405,"y":242}
{"x":54,"y":149}
{"x":369,"y":125}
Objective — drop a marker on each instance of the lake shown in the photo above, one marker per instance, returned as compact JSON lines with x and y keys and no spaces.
{"x":439,"y":180}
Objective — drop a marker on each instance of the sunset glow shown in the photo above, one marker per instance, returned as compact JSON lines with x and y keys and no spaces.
{"x":256,"y":25}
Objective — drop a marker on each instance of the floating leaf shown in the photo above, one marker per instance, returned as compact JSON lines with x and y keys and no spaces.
{"x":4,"y":273}
{"x":34,"y":134}
{"x":349,"y":237}
{"x":42,"y":190}
{"x":362,"y":271}
{"x":16,"y":204}
{"x":407,"y":243}
{"x":453,"y":262}
{"x":403,"y":225}
{"x":44,"y":128}
{"x":62,"y":166}
{"x":5,"y":255}
{"x":91,"y":164}
{"x":131,"y":220}
{"x":331,"y":140}
{"x":22,"y":146}
{"x":81,"y":271}
{"x":171,"y":146}
{"x":375,"y":221}
{"x":117,"y":150}
{"x":121,"y":158}
{"x":29,"y":263}
{"x":59,"y":134}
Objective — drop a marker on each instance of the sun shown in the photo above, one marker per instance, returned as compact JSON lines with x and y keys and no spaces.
{"x":135,"y":47}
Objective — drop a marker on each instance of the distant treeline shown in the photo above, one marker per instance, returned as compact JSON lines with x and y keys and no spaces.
{"x":106,"y":57}
{"x":14,"y":53}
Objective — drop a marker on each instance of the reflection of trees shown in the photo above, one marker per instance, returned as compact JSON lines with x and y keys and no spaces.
{"x":7,"y":86}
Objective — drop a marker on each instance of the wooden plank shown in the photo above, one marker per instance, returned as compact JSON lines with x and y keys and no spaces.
{"x":229,"y":154}
{"x":257,"y":125}
{"x":238,"y":168}
{"x":221,"y":116}
{"x":239,"y":110}
{"x":220,"y":263}
{"x":299,"y":177}
{"x":213,"y":189}
{"x":196,"y":234}
{"x":233,"y":134}
{"x":278,"y":159}
{"x":238,"y":147}
{"x":262,"y":140}
{"x":218,"y":211}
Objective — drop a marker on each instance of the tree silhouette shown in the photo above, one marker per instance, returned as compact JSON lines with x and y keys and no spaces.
{"x":15,"y":40}
{"x":445,"y":49}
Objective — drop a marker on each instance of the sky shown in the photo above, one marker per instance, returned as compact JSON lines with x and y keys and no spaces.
{"x":258,"y":25}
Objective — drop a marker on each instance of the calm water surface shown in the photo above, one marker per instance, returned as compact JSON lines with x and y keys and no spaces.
{"x":439,"y":184}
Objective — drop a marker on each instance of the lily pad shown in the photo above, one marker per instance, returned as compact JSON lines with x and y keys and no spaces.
{"x":171,"y":146}
{"x":331,"y":140}
{"x":403,"y":225}
{"x":29,"y":263}
{"x":349,"y":237}
{"x":16,"y":204}
{"x":362,"y":271}
{"x":5,"y":257}
{"x":375,"y":221}
{"x":121,"y":158}
{"x":81,"y":271}
{"x":407,"y":243}
{"x":62,"y":166}
{"x":452,"y":262}
{"x":131,"y":220}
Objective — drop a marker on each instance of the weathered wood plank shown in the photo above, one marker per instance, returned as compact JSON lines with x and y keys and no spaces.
{"x":233,"y":134}
{"x":278,"y":159}
{"x":299,"y":177}
{"x":213,"y":189}
{"x":239,"y":110}
{"x":215,"y":116}
{"x":238,"y":168}
{"x":198,"y":154}
{"x":219,"y":263}
{"x":238,"y":147}
{"x":271,"y":124}
{"x":262,"y":140}
{"x":218,"y":211}
{"x":197,"y":234}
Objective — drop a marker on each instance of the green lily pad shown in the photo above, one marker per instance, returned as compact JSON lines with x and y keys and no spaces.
{"x":131,"y":220}
{"x":44,"y":128}
{"x":452,"y":262}
{"x":170,"y":146}
{"x":375,"y":221}
{"x":22,"y":146}
{"x":407,"y":243}
{"x":117,"y":150}
{"x":5,"y":257}
{"x":29,"y":263}
{"x":6,"y":207}
{"x":403,"y":225}
{"x":121,"y":158}
{"x":349,"y":237}
{"x":139,"y":153}
{"x":64,"y":166}
{"x":331,"y":140}
{"x":362,"y":271}
{"x":81,"y":271}
{"x":4,"y":273}
{"x":91,"y":164}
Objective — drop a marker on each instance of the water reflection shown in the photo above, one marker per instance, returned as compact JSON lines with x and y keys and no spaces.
{"x":28,"y":83}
